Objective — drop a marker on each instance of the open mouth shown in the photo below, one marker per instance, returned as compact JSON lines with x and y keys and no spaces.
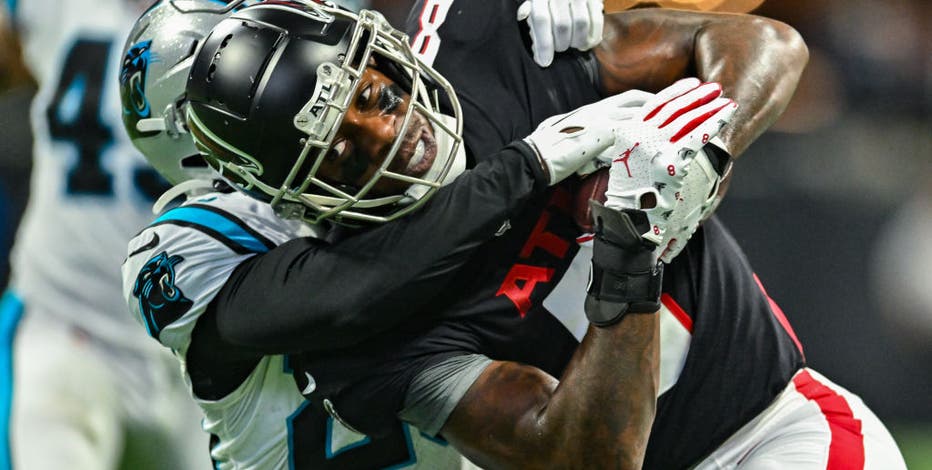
{"x":418,"y":150}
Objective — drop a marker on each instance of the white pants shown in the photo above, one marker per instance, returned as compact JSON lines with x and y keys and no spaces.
{"x":79,"y":404}
{"x":812,"y":424}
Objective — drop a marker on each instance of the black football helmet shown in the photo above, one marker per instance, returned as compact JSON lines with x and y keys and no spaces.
{"x":269,"y":89}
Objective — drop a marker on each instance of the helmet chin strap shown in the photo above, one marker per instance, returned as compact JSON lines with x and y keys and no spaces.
{"x":445,"y":142}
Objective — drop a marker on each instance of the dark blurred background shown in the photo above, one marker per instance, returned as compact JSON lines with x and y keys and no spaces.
{"x":833,"y":206}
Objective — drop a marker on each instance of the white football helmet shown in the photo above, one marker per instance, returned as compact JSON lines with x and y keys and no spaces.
{"x":157,"y":57}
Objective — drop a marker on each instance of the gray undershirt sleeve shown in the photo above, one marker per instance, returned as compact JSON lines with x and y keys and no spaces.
{"x":435,"y":392}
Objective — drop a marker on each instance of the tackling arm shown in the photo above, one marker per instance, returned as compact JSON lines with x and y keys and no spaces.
{"x":757,"y":60}
{"x":334,"y":296}
{"x":331,"y":296}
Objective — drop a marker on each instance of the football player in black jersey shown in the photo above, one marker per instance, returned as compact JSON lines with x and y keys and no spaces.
{"x":733,"y":376}
{"x":435,"y":369}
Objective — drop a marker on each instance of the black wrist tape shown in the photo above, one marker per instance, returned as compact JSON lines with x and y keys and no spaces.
{"x":626,"y":276}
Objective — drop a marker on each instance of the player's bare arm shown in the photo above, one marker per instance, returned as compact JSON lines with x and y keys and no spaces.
{"x":517,"y":416}
{"x":757,"y":60}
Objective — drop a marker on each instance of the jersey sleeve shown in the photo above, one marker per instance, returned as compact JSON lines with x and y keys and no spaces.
{"x":419,"y":368}
{"x":318,"y":297}
{"x":172,"y":274}
{"x":176,"y":266}
{"x":435,"y":392}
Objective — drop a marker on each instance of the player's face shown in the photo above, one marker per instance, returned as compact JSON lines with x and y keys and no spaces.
{"x":370,"y":127}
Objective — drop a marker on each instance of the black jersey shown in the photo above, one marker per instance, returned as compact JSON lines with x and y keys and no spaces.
{"x":505,"y":302}
{"x":482,"y":50}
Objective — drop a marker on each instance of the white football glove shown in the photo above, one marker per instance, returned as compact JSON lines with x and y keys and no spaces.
{"x":652,"y":152}
{"x":566,"y":142}
{"x":696,"y":199}
{"x":557,"y":25}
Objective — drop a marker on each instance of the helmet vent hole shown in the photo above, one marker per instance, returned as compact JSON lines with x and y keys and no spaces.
{"x":210,"y":72}
{"x":193,"y":161}
{"x":226,"y":41}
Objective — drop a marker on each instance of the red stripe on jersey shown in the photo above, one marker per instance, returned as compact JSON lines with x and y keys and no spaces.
{"x":677,"y":311}
{"x":424,"y":45}
{"x":778,"y":312}
{"x":846,"y":451}
{"x":584,"y":238}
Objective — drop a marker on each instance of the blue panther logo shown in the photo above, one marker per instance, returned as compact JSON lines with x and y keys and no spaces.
{"x":133,"y":74}
{"x":160,"y":301}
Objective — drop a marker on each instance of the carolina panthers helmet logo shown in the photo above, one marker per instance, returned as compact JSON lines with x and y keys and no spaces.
{"x":160,"y":301}
{"x":133,"y":80}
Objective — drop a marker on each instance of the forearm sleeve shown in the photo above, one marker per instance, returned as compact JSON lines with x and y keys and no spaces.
{"x":306,"y":295}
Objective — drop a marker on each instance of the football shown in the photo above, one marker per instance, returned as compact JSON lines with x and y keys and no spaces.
{"x":592,"y":186}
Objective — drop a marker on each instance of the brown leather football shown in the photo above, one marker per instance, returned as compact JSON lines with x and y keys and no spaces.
{"x":592,"y":186}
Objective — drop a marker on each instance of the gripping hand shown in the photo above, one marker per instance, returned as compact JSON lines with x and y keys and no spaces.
{"x":566,"y":142}
{"x":557,"y":25}
{"x":652,"y":153}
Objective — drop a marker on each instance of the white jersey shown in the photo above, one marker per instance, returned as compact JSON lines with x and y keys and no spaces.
{"x":91,"y":191}
{"x":174,"y":269}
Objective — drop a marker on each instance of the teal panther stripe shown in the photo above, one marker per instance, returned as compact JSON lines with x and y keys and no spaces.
{"x":231,"y":232}
{"x":11,"y":310}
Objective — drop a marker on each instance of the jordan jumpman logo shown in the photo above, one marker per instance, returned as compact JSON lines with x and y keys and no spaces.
{"x":624,"y":158}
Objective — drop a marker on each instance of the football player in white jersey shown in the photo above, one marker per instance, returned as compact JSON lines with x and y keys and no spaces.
{"x":84,"y":388}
